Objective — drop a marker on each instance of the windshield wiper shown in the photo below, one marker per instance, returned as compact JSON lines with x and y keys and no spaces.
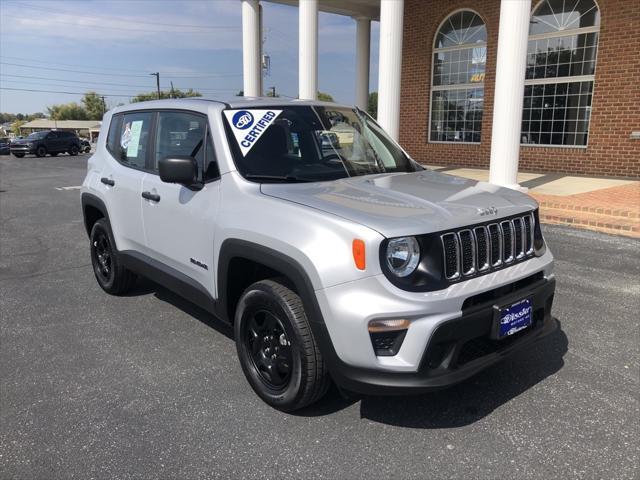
{"x":278,"y":178}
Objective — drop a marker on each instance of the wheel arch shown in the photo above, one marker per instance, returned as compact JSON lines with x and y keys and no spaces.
{"x":236,"y":260}
{"x":93,"y":208}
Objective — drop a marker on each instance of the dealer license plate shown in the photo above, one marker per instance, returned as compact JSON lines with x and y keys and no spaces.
{"x":514,"y":318}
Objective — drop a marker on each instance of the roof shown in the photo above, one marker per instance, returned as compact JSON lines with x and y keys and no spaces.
{"x":202,"y":104}
{"x":62,"y":124}
{"x":353,"y":8}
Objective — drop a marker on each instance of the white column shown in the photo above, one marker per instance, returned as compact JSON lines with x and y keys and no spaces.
{"x":390,"y":65}
{"x":513,"y":34}
{"x":251,"y":48}
{"x":363,"y":54}
{"x":308,"y":49}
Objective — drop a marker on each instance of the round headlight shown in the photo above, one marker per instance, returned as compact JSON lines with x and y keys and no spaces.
{"x":403,"y":256}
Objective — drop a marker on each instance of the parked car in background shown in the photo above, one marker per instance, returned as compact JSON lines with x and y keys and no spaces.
{"x":4,"y":146}
{"x":85,"y":146}
{"x":50,"y":142}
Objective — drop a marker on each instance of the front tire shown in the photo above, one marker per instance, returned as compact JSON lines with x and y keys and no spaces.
{"x":111,"y":275}
{"x":277,"y":350}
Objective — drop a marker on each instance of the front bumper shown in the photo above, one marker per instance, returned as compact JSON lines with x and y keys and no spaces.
{"x":465,"y":308}
{"x":458,"y":348}
{"x":21,"y":149}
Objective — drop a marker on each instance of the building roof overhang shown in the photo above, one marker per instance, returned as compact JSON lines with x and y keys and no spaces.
{"x":352,"y":8}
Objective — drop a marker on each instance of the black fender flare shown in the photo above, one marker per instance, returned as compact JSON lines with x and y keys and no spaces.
{"x":236,"y":248}
{"x":89,"y":199}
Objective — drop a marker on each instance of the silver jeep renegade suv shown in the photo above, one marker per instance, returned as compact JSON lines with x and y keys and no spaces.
{"x":338,"y":260}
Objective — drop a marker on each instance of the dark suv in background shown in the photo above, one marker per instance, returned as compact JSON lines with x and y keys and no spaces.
{"x":52,"y":142}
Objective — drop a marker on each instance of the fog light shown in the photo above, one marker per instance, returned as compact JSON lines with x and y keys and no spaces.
{"x":387,"y":336}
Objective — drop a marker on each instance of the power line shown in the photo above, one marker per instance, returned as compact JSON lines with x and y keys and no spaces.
{"x":71,"y":71}
{"x":120,"y":19}
{"x":34,"y":60}
{"x":175,"y":75}
{"x":19,"y":83}
{"x":65,"y":93}
{"x":141,"y":72}
{"x":75,"y":81}
{"x":104,"y":27}
{"x":82,"y":93}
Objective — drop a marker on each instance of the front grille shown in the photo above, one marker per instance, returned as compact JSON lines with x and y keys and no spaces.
{"x":451,"y":256}
{"x":481,"y":249}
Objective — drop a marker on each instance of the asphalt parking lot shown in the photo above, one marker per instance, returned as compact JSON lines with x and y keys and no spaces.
{"x":148,"y":385}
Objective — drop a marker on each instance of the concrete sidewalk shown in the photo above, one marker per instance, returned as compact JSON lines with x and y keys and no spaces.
{"x":602,"y":204}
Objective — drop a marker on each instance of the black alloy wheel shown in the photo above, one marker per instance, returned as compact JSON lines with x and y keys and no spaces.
{"x":276,"y":347}
{"x":269,"y":348}
{"x":113,"y":277}
{"x":101,"y":257}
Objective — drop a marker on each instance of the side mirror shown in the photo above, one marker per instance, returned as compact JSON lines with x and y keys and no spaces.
{"x":180,"y":169}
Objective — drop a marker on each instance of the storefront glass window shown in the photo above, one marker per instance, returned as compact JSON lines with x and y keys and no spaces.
{"x":561,"y":62}
{"x":457,"y":89}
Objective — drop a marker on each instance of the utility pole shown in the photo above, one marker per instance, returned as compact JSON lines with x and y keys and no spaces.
{"x":171,"y":94}
{"x":104,"y":105}
{"x":157,"y":75}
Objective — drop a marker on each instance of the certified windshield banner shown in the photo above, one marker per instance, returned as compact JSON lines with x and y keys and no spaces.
{"x":249,"y":125}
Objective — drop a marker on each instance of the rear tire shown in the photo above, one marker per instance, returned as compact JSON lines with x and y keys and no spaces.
{"x":73,"y":151}
{"x":277,"y":350}
{"x":41,"y":151}
{"x":111,"y":275}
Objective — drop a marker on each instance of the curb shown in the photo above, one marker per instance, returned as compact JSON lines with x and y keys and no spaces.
{"x":590,"y":218}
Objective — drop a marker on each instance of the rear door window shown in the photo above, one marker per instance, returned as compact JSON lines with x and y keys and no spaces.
{"x":128,"y":139}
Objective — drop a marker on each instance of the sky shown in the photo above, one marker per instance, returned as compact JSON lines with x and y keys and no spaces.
{"x":111,"y":46}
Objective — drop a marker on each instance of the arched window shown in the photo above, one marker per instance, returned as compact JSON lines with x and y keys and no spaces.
{"x":457,"y":87}
{"x":561,"y":62}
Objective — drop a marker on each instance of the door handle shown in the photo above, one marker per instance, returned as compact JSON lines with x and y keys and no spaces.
{"x":107,"y":181}
{"x":151,"y":196}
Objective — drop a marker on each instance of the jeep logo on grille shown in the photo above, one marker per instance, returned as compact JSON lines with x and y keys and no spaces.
{"x":487,"y":211}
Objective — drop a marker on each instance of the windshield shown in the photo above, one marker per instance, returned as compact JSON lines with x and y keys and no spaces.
{"x":305,"y":143}
{"x":37,"y":135}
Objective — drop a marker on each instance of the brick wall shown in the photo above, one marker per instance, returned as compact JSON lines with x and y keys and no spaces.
{"x":615,"y":104}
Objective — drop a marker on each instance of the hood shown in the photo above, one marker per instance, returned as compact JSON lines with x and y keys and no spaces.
{"x":401,"y":204}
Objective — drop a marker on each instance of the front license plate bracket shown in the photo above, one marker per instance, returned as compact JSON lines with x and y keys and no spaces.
{"x":512,"y":318}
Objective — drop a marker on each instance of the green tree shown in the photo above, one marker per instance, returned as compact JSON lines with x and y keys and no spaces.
{"x":15,"y":126}
{"x":325,"y":97}
{"x":176,"y":93}
{"x":93,"y":105}
{"x":7,"y":117}
{"x":372,"y":104}
{"x":67,"y":111}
